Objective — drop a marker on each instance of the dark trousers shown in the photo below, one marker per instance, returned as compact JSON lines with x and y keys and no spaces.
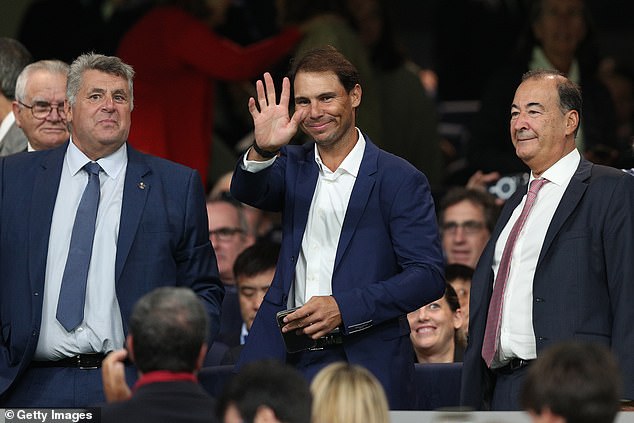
{"x":311,"y":362}
{"x":506,"y":394}
{"x":55,"y":387}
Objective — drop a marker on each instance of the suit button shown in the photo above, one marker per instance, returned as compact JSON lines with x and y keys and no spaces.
{"x":36,"y":293}
{"x":292,"y":259}
{"x":539,"y":300}
{"x":34,"y":333}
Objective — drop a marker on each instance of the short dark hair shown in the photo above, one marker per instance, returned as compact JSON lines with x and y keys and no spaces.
{"x":459,"y":194}
{"x":13,"y":58}
{"x":328,"y":59}
{"x":270,"y":383}
{"x":570,"y":97}
{"x":579,"y":381}
{"x":256,"y":259}
{"x":455,"y":271}
{"x":169,"y":325}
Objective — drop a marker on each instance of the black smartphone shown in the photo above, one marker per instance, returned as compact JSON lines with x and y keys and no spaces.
{"x":293,"y":341}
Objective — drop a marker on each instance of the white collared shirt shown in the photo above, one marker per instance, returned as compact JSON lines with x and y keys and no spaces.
{"x":5,"y":125}
{"x":517,"y":338}
{"x":315,"y":264}
{"x":316,"y":260}
{"x":102,"y":328}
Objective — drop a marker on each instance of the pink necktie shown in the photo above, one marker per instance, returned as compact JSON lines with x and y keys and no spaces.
{"x":494,"y":317}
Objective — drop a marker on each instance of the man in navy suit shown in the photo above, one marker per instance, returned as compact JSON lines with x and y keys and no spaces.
{"x":360,"y":242}
{"x":150,"y":231}
{"x":571,"y":268}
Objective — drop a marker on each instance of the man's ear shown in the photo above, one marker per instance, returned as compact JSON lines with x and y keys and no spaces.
{"x":355,"y":94}
{"x":265,"y":414}
{"x":572,"y":121}
{"x":129,"y":341}
{"x":16,"y":113}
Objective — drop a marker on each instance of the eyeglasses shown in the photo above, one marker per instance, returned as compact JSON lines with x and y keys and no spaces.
{"x":225,"y":234}
{"x":41,"y":109}
{"x":469,"y":227}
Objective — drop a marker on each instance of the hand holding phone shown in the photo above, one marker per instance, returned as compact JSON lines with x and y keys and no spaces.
{"x":294,"y":340}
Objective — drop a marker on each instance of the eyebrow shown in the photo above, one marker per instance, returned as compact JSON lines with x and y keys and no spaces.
{"x":532,"y":104}
{"x":320,"y":95}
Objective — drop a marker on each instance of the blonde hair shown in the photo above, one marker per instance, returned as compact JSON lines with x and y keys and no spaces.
{"x":348,"y":393}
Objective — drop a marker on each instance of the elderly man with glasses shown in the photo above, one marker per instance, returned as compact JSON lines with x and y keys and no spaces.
{"x":40,"y":91}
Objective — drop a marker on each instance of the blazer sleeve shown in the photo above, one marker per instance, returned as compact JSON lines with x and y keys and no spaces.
{"x":416,"y":278}
{"x":195,"y":257}
{"x":619,"y":246}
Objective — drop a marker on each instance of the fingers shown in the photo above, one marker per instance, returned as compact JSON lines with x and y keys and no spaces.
{"x":252,"y":108}
{"x":266,"y":92}
{"x":286,"y":92}
{"x":259,"y":89}
{"x":113,"y":375}
{"x":270,"y":89}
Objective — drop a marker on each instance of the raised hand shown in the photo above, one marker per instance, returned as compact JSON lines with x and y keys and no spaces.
{"x":273,"y":126}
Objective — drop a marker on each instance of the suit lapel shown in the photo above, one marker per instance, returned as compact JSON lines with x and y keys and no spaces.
{"x":137,"y":186}
{"x":358,"y":198}
{"x":574,"y":192}
{"x":305,"y":183}
{"x":45,"y":189}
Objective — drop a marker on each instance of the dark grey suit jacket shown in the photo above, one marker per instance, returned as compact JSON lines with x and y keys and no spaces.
{"x":584,"y":281}
{"x":13,"y":141}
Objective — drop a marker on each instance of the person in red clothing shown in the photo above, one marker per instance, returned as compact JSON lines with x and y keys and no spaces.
{"x":177,"y":57}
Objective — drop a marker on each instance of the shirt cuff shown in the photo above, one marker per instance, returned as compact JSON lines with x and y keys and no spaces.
{"x":255,"y":166}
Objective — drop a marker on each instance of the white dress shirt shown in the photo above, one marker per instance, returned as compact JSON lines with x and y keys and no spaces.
{"x":102,"y":328}
{"x":517,"y":338}
{"x":315,"y":263}
{"x":5,"y":125}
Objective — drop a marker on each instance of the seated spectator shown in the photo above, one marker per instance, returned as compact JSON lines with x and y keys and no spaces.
{"x":619,"y":79}
{"x":559,"y":36}
{"x":348,"y":393}
{"x":254,"y":270}
{"x":466,"y":219}
{"x":459,"y":277}
{"x":13,"y":58}
{"x":265,"y":391}
{"x":229,"y":235}
{"x":40,"y":92}
{"x":409,"y":132}
{"x":262,"y":224}
{"x":167,"y":342}
{"x":434,"y":330}
{"x":573,"y":382}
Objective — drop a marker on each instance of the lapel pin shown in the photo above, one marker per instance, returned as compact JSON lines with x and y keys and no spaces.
{"x":141,"y":185}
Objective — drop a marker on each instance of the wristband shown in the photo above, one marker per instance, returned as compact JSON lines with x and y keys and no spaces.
{"x":264,"y":153}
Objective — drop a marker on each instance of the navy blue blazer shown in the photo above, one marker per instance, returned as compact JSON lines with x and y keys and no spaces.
{"x":584,"y":281}
{"x":163,"y":241}
{"x":388,"y":261}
